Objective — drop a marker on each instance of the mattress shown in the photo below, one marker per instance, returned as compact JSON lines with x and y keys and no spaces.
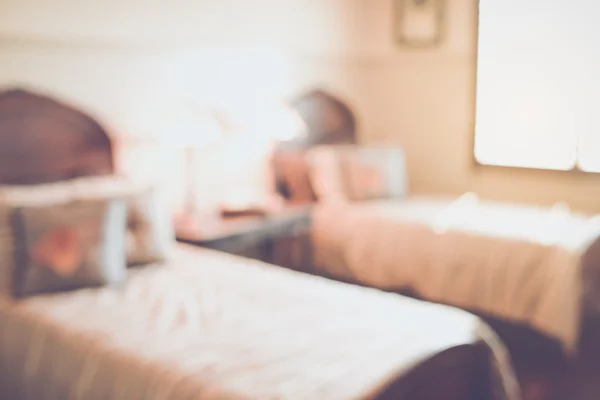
{"x":209,"y":325}
{"x":523,"y":264}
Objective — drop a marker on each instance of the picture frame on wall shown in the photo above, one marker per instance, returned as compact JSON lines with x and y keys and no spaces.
{"x":419,"y":23}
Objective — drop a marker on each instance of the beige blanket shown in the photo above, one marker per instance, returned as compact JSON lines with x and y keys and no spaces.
{"x":213,"y":326}
{"x":518,"y":263}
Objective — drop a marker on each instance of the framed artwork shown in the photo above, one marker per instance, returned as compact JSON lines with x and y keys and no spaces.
{"x":419,"y":23}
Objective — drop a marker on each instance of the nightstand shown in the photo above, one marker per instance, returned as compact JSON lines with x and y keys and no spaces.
{"x":279,"y":237}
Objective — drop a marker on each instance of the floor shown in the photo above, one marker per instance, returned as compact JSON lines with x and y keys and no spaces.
{"x":546,"y":375}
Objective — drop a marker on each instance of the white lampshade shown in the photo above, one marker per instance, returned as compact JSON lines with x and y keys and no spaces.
{"x":190,"y":129}
{"x":264,"y":120}
{"x":280,"y":122}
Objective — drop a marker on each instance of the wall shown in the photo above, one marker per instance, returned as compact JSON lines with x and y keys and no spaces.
{"x":135,"y":64}
{"x":424,"y":101}
{"x":118,"y":59}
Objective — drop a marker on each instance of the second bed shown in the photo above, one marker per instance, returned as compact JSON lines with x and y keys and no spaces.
{"x":519,"y":263}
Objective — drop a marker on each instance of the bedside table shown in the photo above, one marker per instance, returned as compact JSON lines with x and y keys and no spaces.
{"x":280,"y":237}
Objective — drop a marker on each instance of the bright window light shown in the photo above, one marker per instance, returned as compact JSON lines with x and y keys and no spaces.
{"x":538,"y":84}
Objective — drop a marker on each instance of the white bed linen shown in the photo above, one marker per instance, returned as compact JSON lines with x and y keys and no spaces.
{"x":213,"y":326}
{"x":516,"y":262}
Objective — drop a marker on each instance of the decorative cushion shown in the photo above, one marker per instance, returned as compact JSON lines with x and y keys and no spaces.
{"x":364,"y":176}
{"x":78,"y":233}
{"x":6,"y":252}
{"x":373,"y":173}
{"x":326,"y":174}
{"x":356,"y":173}
{"x":150,"y":234}
{"x":292,"y":174}
{"x":50,"y":246}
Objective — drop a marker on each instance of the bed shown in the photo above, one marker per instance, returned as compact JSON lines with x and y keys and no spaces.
{"x":215,"y":326}
{"x":518,"y":263}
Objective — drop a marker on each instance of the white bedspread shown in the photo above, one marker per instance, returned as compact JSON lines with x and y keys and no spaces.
{"x":515,"y":262}
{"x":212,"y":326}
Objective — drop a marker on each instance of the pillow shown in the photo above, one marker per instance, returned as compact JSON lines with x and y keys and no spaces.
{"x":373,"y":173}
{"x":146,"y":235}
{"x":150,"y":234}
{"x":62,"y":246}
{"x":293,"y":178}
{"x":6,"y":252}
{"x":326,"y":174}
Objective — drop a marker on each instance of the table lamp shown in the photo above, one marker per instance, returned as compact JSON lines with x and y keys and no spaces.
{"x":190,"y":132}
{"x":265,"y":125}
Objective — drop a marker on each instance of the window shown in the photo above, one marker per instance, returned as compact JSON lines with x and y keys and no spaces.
{"x":538,"y":84}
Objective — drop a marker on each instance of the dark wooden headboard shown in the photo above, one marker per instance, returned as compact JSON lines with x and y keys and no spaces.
{"x":43,"y":140}
{"x":329,"y":119}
